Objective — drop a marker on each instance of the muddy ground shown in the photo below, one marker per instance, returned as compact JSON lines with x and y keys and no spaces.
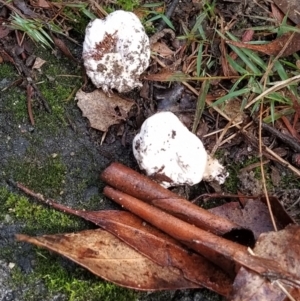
{"x":62,"y":157}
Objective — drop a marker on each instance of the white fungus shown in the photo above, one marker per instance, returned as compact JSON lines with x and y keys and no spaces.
{"x":116,"y":51}
{"x":172,"y":155}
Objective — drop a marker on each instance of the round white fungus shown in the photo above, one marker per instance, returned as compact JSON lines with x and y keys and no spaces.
{"x":116,"y":51}
{"x":172,"y":155}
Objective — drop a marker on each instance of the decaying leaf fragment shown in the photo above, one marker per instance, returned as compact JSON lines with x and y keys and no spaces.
{"x":162,"y":49}
{"x":282,"y":247}
{"x":255,"y":215}
{"x":108,"y":257}
{"x":103,"y":111}
{"x":274,"y":47}
{"x":290,"y":8}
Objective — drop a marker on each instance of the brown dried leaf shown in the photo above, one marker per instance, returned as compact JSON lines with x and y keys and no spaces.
{"x":274,"y":47}
{"x":108,"y":257}
{"x":282,"y":247}
{"x":162,"y":49}
{"x":102,"y":110}
{"x":40,"y":3}
{"x":38,"y":63}
{"x":63,"y":47}
{"x":290,"y":8}
{"x":162,"y":76}
{"x":21,"y":5}
{"x":161,"y":248}
{"x":255,"y":215}
{"x":4,"y":31}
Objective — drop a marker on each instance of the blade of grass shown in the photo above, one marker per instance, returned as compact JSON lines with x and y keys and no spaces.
{"x":199,"y":58}
{"x":238,"y":68}
{"x":231,"y":95}
{"x":251,"y":54}
{"x":244,"y":57}
{"x":200,"y":104}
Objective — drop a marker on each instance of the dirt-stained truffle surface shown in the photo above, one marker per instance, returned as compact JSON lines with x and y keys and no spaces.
{"x":116,"y":51}
{"x":169,"y":152}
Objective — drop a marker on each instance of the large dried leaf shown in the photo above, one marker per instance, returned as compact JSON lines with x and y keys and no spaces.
{"x":161,"y":248}
{"x":102,"y":110}
{"x":282,"y":247}
{"x":276,"y":46}
{"x":290,"y":8}
{"x":110,"y":258}
{"x":151,"y":242}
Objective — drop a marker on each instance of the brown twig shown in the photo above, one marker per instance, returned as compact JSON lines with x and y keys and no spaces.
{"x":290,"y":141}
{"x":131,"y":182}
{"x":23,"y":69}
{"x":29,"y":91}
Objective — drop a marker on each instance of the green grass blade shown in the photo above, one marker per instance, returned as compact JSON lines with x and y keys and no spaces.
{"x":236,"y":66}
{"x":199,"y":58}
{"x":231,"y":95}
{"x":200,"y":104}
{"x":167,"y":21}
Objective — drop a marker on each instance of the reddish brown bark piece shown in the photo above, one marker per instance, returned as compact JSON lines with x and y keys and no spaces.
{"x":110,"y":258}
{"x":152,"y":243}
{"x":226,"y":254}
{"x":274,"y":47}
{"x":131,"y":182}
{"x":281,"y":246}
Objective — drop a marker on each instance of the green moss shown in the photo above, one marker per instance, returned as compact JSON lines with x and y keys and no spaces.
{"x":36,"y":217}
{"x":16,"y":104}
{"x":45,"y":175}
{"x":7,"y":71}
{"x":128,"y":5}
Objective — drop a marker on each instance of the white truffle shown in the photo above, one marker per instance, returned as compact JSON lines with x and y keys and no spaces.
{"x":172,"y":155}
{"x":116,"y":51}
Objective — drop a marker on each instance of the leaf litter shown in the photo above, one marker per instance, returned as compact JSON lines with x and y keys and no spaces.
{"x":84,"y":249}
{"x":102,"y":110}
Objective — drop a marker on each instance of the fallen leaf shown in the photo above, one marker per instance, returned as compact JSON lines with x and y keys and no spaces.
{"x":63,"y":48}
{"x":39,"y":3}
{"x":276,"y":13}
{"x":38,"y":63}
{"x":152,"y":243}
{"x":108,"y":257}
{"x":21,"y":5}
{"x":276,"y":46}
{"x":162,"y":49}
{"x":160,"y":248}
{"x":281,"y":246}
{"x":101,"y":110}
{"x":254,"y":216}
{"x":290,"y":8}
{"x":4,"y":31}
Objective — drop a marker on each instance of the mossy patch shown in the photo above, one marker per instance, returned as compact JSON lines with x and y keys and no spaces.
{"x":36,"y":217}
{"x":45,"y":175}
{"x":7,"y":71}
